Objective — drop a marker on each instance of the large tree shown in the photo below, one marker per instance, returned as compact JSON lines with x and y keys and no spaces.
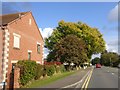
{"x":70,"y":49}
{"x":92,"y":37}
{"x":95,"y":60}
{"x":110,"y":59}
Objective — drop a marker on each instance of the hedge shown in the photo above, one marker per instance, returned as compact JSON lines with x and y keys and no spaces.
{"x":50,"y":70}
{"x":30,"y":70}
{"x":39,"y":71}
{"x":62,"y":68}
{"x":27,"y":70}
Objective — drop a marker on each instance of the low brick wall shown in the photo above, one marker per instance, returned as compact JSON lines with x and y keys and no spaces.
{"x":16,"y":77}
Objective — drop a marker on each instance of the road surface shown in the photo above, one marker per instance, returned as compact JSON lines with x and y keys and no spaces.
{"x":88,"y":79}
{"x":104,"y":77}
{"x":70,"y":81}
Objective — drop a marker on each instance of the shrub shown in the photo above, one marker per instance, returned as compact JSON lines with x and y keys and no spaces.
{"x":62,"y":68}
{"x":50,"y":69}
{"x":52,"y":63}
{"x":27,"y":70}
{"x":57,"y":68}
{"x":39,"y":71}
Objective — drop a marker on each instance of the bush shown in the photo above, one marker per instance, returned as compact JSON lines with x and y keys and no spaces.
{"x":27,"y":71}
{"x":50,"y":69}
{"x":57,"y":68}
{"x":39,"y":71}
{"x":62,"y":68}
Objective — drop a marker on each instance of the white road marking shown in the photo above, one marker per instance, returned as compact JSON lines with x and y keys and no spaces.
{"x":112,"y":73}
{"x":79,"y":82}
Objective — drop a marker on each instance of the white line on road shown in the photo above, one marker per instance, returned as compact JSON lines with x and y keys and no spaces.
{"x":112,"y":73}
{"x":76,"y":82}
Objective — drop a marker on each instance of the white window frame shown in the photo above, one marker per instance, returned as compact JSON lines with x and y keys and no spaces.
{"x":29,"y":51}
{"x":16,"y":44}
{"x":30,"y":21}
{"x":37,"y":47}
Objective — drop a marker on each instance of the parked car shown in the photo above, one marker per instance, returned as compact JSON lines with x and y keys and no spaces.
{"x":98,"y":65}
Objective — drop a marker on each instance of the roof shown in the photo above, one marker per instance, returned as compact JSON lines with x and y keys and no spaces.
{"x":5,"y":19}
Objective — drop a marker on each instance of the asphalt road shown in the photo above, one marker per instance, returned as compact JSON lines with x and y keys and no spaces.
{"x":70,"y":81}
{"x":104,"y":77}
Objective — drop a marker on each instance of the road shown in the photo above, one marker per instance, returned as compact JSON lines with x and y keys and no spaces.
{"x":104,"y":77}
{"x":90,"y":78}
{"x":70,"y":81}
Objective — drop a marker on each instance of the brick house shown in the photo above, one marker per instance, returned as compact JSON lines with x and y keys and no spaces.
{"x":20,"y":39}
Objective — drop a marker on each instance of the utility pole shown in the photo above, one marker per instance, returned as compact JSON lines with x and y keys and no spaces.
{"x":110,"y":61}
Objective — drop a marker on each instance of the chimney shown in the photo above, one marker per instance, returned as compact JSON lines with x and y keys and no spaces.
{"x":19,"y":15}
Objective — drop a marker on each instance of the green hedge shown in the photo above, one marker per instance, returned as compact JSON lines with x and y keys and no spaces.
{"x":62,"y":68}
{"x":57,"y":68}
{"x":39,"y":71}
{"x":50,"y":70}
{"x":30,"y":70}
{"x":27,"y":71}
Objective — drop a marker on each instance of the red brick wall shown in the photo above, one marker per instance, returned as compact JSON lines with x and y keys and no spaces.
{"x":28,"y":41}
{"x":16,"y":78}
{"x":1,"y":45}
{"x":30,"y":35}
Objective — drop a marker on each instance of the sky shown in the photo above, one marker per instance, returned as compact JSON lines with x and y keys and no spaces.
{"x":102,"y":15}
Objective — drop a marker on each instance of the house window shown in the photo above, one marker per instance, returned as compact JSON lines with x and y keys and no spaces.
{"x":30,"y":22}
{"x":29,"y":55}
{"x":38,"y":48}
{"x":16,"y":43}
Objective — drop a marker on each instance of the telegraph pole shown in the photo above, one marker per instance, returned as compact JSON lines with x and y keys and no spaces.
{"x":110,"y":61}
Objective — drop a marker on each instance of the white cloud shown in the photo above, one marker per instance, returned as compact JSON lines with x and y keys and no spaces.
{"x":46,"y":32}
{"x":113,"y":15}
{"x":46,"y":52}
{"x":95,"y":55}
{"x":112,"y":48}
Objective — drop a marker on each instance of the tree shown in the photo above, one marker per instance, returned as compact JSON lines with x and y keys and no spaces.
{"x":69,"y":49}
{"x":110,"y":59}
{"x":91,"y":36}
{"x":95,"y":60}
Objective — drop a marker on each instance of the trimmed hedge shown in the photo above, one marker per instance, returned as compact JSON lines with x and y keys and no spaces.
{"x":62,"y":68}
{"x":30,"y":70}
{"x":39,"y":71}
{"x":50,"y":70}
{"x":27,"y":71}
{"x":57,"y":68}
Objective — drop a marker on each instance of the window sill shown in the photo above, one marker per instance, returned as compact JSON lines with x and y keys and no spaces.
{"x":38,"y":53}
{"x":16,"y":48}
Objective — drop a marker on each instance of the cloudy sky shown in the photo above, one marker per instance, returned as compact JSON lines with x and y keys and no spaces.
{"x":102,"y":15}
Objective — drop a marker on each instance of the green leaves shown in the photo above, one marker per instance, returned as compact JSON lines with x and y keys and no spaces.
{"x":110,"y":59}
{"x":69,"y":49}
{"x":95,"y":60}
{"x":93,"y":41}
{"x":27,"y":70}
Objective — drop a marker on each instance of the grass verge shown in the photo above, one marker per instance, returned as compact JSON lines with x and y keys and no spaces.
{"x":47,"y":80}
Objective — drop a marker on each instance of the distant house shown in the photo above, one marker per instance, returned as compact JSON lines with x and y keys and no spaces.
{"x":20,"y":39}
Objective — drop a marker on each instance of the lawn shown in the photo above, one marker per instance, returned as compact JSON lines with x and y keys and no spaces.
{"x":47,"y":80}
